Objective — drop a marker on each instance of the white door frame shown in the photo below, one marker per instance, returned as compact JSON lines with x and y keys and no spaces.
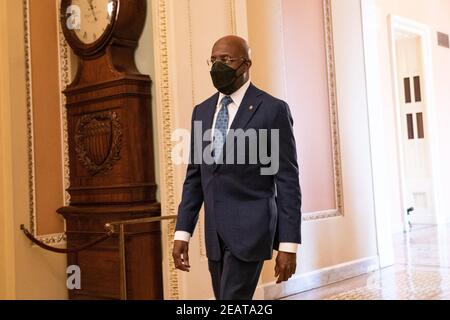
{"x":380,"y":176}
{"x":399,"y":24}
{"x":371,"y":28}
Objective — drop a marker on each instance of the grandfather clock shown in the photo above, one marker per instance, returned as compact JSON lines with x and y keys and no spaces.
{"x":110,"y":150}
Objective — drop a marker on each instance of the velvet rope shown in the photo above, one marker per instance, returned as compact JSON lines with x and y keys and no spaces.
{"x":44,"y":246}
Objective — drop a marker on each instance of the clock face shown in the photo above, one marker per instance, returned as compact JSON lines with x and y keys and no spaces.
{"x":90,"y":18}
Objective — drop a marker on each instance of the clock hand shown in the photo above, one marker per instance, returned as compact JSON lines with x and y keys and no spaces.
{"x":92,"y":9}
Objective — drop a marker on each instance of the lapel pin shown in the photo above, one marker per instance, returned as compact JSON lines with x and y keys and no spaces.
{"x":250,"y":108}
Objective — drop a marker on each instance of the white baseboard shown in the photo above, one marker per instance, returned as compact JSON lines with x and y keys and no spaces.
{"x":316,"y":279}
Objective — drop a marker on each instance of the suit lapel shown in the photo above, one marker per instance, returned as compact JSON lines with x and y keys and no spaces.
{"x":247,"y":109}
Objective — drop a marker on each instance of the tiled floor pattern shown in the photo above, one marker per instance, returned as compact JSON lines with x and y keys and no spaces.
{"x":402,"y":285}
{"x":421,"y":272}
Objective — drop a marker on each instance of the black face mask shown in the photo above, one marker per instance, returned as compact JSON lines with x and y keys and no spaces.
{"x":224,"y":77}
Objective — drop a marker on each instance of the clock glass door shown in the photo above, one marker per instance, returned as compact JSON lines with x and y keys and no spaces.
{"x":94,"y":17}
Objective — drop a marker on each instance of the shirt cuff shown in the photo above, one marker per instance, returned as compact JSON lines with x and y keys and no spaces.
{"x":288,"y":247}
{"x":182,"y":236}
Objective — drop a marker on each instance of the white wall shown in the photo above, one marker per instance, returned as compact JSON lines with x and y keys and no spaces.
{"x":436,"y":15}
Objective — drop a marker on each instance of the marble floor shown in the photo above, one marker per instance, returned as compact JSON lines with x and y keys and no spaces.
{"x":421,"y":272}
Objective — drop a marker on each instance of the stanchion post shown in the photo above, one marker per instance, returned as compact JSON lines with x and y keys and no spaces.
{"x":123,"y":264}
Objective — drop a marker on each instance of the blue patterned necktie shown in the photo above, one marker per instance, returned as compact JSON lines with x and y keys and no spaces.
{"x":221,"y":129}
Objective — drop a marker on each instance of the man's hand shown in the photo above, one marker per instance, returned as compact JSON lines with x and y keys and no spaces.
{"x":180,"y":255}
{"x":286,"y":265}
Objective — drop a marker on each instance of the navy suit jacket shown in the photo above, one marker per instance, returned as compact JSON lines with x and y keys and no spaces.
{"x":252,"y":213}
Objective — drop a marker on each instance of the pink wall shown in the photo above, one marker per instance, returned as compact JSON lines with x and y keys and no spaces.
{"x":308,"y":99}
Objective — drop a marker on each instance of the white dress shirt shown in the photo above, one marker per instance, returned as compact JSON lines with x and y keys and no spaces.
{"x":237,"y":98}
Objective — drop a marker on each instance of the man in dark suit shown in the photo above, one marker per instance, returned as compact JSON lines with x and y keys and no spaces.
{"x":248,"y":212}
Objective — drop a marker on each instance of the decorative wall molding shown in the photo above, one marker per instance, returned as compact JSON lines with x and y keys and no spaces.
{"x":161,"y":24}
{"x":58,"y":239}
{"x":233,"y":24}
{"x":65,"y":76}
{"x":321,"y":215}
{"x":334,"y":120}
{"x":29,"y":93}
{"x":191,"y":49}
{"x":64,"y":64}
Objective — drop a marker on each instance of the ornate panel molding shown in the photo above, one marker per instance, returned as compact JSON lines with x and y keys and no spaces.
{"x":334,"y":120}
{"x":57,"y":239}
{"x":64,"y":74}
{"x":233,"y":23}
{"x":166,"y":125}
{"x":321,"y":215}
{"x":191,"y":49}
{"x":29,"y":93}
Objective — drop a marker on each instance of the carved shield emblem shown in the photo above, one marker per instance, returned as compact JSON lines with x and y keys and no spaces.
{"x":98,"y":141}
